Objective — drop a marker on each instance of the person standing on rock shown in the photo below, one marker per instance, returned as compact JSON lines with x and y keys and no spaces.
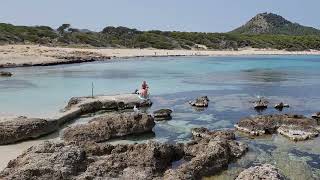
{"x":144,"y":90}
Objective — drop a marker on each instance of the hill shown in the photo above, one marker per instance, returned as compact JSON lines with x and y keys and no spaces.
{"x":269,"y":23}
{"x":260,"y":32}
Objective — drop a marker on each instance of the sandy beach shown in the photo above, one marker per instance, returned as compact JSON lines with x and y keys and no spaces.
{"x":33,"y":55}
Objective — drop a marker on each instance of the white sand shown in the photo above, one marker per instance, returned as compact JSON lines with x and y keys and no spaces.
{"x":33,"y":54}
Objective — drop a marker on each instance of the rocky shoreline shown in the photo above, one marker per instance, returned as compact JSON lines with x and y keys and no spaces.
{"x":84,"y":152}
{"x":23,"y":128}
{"x":89,"y":160}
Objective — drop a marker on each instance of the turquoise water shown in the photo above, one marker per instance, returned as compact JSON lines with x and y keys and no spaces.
{"x":230,"y":82}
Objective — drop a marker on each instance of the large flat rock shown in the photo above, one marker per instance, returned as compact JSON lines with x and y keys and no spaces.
{"x":295,"y":127}
{"x":109,"y":126}
{"x":22,"y":128}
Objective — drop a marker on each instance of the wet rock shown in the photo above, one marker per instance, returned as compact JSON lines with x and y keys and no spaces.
{"x":261,"y":104}
{"x":5,"y":74}
{"x":316,"y":116}
{"x":200,"y":102}
{"x":22,"y":128}
{"x":265,"y":171}
{"x":200,"y":133}
{"x":110,"y":126}
{"x":296,"y":127}
{"x":207,"y":155}
{"x":297,"y":133}
{"x":281,"y":105}
{"x":162,"y":114}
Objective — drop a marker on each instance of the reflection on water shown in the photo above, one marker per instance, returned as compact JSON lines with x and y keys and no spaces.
{"x":231,"y":83}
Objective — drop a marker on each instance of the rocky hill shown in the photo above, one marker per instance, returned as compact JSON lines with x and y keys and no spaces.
{"x":269,"y":23}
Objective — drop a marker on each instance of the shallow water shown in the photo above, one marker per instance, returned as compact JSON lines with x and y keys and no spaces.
{"x":229,"y":82}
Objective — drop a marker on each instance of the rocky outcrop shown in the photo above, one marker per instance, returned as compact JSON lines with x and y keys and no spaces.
{"x":208,"y":154}
{"x":150,"y":160}
{"x":261,"y":104}
{"x":316,"y":116}
{"x":200,"y":102}
{"x":265,"y":171}
{"x":22,"y":128}
{"x":96,"y":103}
{"x":162,"y":114}
{"x":5,"y":74}
{"x":295,"y":127}
{"x":110,"y":126}
{"x":281,"y":105}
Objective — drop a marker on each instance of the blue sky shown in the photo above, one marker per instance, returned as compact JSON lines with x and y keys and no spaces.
{"x":181,"y":15}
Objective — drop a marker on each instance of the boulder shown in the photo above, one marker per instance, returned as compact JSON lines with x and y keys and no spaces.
{"x":260,"y":104}
{"x":5,"y":74}
{"x":151,"y":160}
{"x":316,"y":116}
{"x":200,"y":102}
{"x":22,"y":128}
{"x":162,"y":114}
{"x":109,"y":126}
{"x":281,"y":105}
{"x":296,"y":127}
{"x":207,"y":155}
{"x":265,"y":171}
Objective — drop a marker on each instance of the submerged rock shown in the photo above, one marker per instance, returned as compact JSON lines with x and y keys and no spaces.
{"x":22,"y":128}
{"x":5,"y":74}
{"x":162,"y":114}
{"x":150,"y":160}
{"x":110,"y":126}
{"x":295,"y":127}
{"x":281,"y":105}
{"x":200,"y":102}
{"x":265,"y":171}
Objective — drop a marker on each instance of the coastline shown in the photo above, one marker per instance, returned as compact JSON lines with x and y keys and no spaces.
{"x":34,"y":55}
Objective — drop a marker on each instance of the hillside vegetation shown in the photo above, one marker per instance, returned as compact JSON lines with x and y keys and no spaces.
{"x":123,"y":37}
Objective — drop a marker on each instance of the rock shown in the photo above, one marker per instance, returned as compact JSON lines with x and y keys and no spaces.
{"x":5,"y":74}
{"x":265,"y":171}
{"x":260,"y":104}
{"x":46,"y":161}
{"x":205,"y":133}
{"x":297,"y":133}
{"x":207,"y":155}
{"x":110,"y":126}
{"x":296,"y":127}
{"x":97,"y":103}
{"x":150,"y":160}
{"x":316,"y":116}
{"x":138,"y":161}
{"x":162,"y":114}
{"x":22,"y":128}
{"x":200,"y":102}
{"x":281,"y":105}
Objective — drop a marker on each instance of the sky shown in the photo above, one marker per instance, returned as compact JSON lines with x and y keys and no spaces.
{"x":179,"y":15}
